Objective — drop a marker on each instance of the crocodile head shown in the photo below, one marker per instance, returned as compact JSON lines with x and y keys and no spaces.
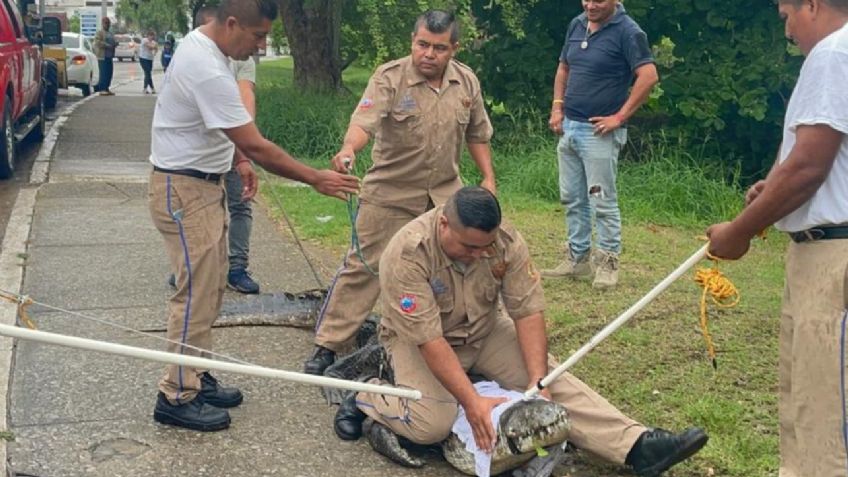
{"x":527,"y":425}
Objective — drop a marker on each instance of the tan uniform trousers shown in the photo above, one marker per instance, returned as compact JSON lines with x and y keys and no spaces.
{"x":812,"y":358}
{"x":597,"y":426}
{"x":192,"y":219}
{"x":354,"y":291}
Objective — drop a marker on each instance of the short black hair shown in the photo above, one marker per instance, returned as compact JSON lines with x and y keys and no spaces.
{"x":438,"y":21}
{"x":247,"y":12}
{"x":205,"y":14}
{"x":475,"y":207}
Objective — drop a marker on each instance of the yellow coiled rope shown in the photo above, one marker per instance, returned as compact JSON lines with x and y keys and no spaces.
{"x":723,"y":294}
{"x":23,"y":302}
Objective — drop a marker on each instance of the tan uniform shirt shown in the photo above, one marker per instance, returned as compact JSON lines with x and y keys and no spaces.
{"x":418,"y":133}
{"x":426,"y":295}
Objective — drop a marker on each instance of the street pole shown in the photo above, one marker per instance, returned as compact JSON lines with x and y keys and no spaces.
{"x":102,"y":10}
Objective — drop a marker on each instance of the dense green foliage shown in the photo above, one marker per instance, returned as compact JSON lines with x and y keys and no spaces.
{"x":726,"y":71}
{"x":158,"y":15}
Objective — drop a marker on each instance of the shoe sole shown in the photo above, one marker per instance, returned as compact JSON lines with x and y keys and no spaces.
{"x":688,"y":450}
{"x":165,"y":418}
{"x":242,"y":290}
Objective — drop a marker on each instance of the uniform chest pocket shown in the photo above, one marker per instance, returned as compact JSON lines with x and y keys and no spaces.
{"x":463,"y":116}
{"x":404,"y":119}
{"x":445,"y":302}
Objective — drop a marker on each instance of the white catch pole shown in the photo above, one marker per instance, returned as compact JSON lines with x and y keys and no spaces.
{"x":624,"y":318}
{"x":196,"y":362}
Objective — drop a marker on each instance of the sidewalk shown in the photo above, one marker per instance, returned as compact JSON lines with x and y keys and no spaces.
{"x":93,"y":250}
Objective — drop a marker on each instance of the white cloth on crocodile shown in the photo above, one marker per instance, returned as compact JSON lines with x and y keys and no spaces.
{"x":462,"y":428}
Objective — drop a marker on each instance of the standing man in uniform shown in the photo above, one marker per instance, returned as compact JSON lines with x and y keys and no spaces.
{"x":806,"y":195}
{"x":104,"y":48}
{"x":419,"y":109}
{"x":198,"y":122}
{"x":604,"y":50}
{"x":442,"y":276}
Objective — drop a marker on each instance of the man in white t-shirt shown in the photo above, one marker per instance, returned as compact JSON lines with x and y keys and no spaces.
{"x":806,"y":195}
{"x":198,"y":123}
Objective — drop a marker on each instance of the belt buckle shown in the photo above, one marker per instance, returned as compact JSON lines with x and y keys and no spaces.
{"x":814,"y":234}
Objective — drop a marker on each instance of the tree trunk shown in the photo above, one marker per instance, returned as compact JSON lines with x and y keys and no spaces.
{"x":313,"y":28}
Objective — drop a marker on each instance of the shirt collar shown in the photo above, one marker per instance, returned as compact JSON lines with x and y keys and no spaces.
{"x":415,"y":77}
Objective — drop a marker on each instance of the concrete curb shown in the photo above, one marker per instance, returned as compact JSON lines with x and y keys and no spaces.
{"x":12,"y":259}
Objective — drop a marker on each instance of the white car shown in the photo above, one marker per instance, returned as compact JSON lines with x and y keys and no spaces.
{"x":81,"y":62}
{"x":127,"y":47}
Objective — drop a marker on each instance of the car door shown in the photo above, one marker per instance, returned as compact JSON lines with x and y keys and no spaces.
{"x":29,"y":85}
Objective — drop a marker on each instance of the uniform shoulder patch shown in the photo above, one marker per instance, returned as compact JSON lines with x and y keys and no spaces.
{"x":408,"y":303}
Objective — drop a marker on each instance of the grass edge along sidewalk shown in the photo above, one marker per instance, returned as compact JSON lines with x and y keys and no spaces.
{"x":655,"y":368}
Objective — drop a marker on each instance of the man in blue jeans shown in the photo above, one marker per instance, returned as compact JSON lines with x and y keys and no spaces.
{"x":604,"y":51}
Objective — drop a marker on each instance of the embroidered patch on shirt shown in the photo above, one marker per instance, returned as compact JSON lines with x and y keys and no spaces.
{"x":366,"y":103}
{"x":408,"y":303}
{"x":438,"y":286}
{"x":407,"y":104}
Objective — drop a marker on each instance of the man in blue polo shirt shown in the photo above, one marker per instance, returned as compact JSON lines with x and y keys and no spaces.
{"x":604,"y":51}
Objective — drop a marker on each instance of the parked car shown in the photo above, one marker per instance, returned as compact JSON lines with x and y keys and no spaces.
{"x":81,"y":61}
{"x":127,"y":48}
{"x":22,"y":91}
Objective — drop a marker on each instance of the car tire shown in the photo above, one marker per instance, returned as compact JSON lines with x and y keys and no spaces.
{"x":40,"y":131}
{"x":7,"y":135}
{"x":51,"y":84}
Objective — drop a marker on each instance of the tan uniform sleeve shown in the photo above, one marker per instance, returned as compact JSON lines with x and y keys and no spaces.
{"x":409,"y":307}
{"x":479,"y":127}
{"x":522,"y":285}
{"x":374,"y":105}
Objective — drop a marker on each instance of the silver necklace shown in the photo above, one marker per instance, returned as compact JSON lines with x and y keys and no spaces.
{"x":585,"y":43}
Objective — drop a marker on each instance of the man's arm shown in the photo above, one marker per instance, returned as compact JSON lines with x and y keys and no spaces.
{"x":646,"y":78}
{"x":355,"y":140}
{"x":274,"y":159}
{"x":249,"y":180}
{"x":789,"y":185}
{"x":533,"y":342}
{"x":444,"y":364}
{"x":560,"y":82}
{"x":481,"y":153}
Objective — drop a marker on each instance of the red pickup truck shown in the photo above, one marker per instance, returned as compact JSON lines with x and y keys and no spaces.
{"x":21,"y":92}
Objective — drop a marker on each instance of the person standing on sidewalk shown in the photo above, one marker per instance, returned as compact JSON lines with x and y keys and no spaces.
{"x":805,"y":194}
{"x":198,"y":125}
{"x":420,"y":109}
{"x":604,"y":50}
{"x":104,"y":48}
{"x":146,"y":54}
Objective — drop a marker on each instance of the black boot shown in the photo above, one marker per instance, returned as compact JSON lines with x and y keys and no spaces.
{"x":216,"y":395}
{"x":195,"y":414}
{"x":319,"y":361}
{"x":348,"y":420}
{"x":657,"y":450}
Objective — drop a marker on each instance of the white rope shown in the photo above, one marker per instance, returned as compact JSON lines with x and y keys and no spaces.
{"x":196,"y":362}
{"x":621,"y":320}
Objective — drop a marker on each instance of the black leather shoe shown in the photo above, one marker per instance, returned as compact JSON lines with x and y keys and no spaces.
{"x":195,"y":414}
{"x":319,"y":361}
{"x":657,"y":450}
{"x":348,"y":421}
{"x":216,"y":395}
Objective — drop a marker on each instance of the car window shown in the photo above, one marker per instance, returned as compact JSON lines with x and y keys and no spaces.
{"x":70,"y":41}
{"x":88,"y":45}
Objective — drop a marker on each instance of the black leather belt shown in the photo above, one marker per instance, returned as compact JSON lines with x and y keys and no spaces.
{"x":207,"y":176}
{"x":820,"y":233}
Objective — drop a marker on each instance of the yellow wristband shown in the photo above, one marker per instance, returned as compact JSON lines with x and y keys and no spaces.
{"x":558,"y":101}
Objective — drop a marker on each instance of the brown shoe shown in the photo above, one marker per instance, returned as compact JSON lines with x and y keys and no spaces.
{"x":606,"y":270}
{"x":572,"y":267}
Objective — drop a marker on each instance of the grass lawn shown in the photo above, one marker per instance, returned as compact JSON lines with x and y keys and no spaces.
{"x":655,"y":369}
